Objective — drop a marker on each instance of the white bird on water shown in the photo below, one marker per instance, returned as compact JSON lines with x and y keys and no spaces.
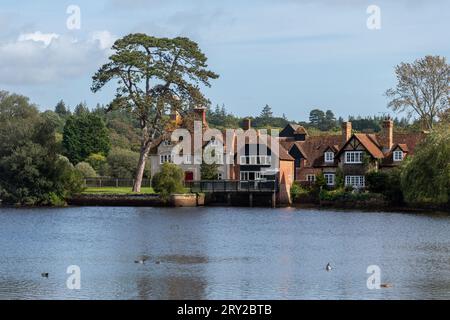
{"x":328,"y":267}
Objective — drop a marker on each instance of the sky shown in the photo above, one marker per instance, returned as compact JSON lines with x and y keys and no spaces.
{"x":294,"y":55}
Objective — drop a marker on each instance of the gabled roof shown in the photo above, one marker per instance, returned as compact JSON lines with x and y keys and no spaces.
{"x":369,"y":142}
{"x":283,"y":153}
{"x":300,"y":130}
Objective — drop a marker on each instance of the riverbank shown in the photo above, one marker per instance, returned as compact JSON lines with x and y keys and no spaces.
{"x":358,"y":206}
{"x":136,"y":200}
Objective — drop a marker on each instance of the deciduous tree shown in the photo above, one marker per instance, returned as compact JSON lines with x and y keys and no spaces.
{"x":422,"y":89}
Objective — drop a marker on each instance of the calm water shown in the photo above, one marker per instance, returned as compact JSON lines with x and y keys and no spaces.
{"x":222,"y":253}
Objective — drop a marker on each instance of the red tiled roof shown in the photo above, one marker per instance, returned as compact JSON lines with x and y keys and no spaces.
{"x":370,"y":144}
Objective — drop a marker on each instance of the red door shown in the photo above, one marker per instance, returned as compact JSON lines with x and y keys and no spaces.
{"x":188,"y":176}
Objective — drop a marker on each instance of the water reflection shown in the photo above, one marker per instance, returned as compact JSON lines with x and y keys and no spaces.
{"x":222,"y":253}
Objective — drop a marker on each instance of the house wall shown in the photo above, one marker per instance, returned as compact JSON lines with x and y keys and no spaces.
{"x":356,"y":169}
{"x":194,"y":168}
{"x":286,"y":178}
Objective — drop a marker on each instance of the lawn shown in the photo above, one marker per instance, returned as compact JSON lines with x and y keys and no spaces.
{"x":114,"y":190}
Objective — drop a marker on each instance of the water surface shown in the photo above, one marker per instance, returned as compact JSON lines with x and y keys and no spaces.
{"x":222,"y":253}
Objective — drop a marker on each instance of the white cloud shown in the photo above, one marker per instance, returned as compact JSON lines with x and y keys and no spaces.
{"x":104,"y":39}
{"x":38,"y":58}
{"x":38,"y":36}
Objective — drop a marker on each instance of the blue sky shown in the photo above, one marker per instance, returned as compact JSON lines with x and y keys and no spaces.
{"x":294,"y":55}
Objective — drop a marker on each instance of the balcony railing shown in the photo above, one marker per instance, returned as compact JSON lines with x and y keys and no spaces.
{"x":209,"y":186}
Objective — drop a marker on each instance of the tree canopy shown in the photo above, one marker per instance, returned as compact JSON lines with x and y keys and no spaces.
{"x":83,"y":135}
{"x":422,"y":89}
{"x":153,"y":76}
{"x":31,"y":171}
{"x":425,"y":177}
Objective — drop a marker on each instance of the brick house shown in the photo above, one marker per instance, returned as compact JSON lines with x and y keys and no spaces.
{"x":250,"y":167}
{"x":354,"y":154}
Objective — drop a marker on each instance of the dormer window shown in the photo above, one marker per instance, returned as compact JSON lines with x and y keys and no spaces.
{"x":329,"y":156}
{"x":398,"y":155}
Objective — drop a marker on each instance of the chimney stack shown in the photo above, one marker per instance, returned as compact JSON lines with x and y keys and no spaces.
{"x":247,"y":124}
{"x":175,"y":117}
{"x":346,"y":131}
{"x":387,"y":134}
{"x":200,"y":115}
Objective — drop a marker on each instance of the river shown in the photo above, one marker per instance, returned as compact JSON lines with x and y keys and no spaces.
{"x":222,"y":253}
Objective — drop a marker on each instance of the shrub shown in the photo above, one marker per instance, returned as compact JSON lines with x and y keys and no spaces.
{"x":168,"y":181}
{"x":342,"y":195}
{"x":377,"y":181}
{"x":85,"y":170}
{"x":122,"y":164}
{"x":96,"y":160}
{"x":297,"y":191}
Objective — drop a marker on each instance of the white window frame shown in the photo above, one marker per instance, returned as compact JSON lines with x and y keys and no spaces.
{"x":256,"y":160}
{"x":165,"y":158}
{"x":355,"y":181}
{"x":187,"y":159}
{"x":397,"y":155}
{"x":329,"y":156}
{"x":354,"y":157}
{"x":329,"y":178}
{"x":245,"y":175}
{"x":311,"y":177}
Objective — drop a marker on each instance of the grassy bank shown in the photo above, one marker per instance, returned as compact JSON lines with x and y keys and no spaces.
{"x":117,"y":191}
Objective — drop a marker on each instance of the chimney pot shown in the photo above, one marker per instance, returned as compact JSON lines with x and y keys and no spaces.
{"x":200,"y":114}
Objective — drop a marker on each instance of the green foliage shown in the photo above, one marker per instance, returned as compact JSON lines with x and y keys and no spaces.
{"x":425,"y":177}
{"x":168,"y":181}
{"x":86,"y":170}
{"x":81,"y":109}
{"x":31,"y":172}
{"x":339,"y":180}
{"x":154,"y":75}
{"x":209,"y":171}
{"x":386,"y":183}
{"x":422,"y":89}
{"x":122,"y":164}
{"x":322,"y":120}
{"x":96,"y":160}
{"x":61,"y":109}
{"x":298,"y":192}
{"x":342,"y":195}
{"x":376,"y":181}
{"x":83,"y":135}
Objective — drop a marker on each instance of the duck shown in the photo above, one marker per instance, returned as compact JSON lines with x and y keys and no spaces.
{"x":140,"y":261}
{"x":158,"y":262}
{"x":44,"y":274}
{"x":386,"y":285}
{"x":328,"y":267}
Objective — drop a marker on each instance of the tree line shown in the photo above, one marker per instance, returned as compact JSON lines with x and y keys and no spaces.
{"x":154,"y":76}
